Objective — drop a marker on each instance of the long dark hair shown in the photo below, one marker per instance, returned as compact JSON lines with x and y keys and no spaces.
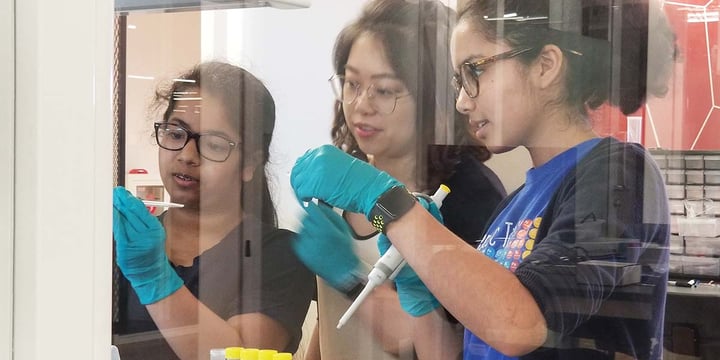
{"x":584,"y":27}
{"x":250,"y":107}
{"x":415,"y":37}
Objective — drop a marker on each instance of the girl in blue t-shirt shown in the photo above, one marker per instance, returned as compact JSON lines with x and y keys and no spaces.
{"x":546,"y":281}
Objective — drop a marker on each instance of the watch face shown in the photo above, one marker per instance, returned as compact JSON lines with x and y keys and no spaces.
{"x":391,"y":205}
{"x":377,"y":222}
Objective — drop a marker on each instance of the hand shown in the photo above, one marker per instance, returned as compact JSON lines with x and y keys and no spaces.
{"x":329,"y":174}
{"x":140,"y":249}
{"x":415,"y":298}
{"x":324,"y":245}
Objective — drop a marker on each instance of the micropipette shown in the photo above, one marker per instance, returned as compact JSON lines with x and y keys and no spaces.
{"x":161,"y":203}
{"x":388,"y":266}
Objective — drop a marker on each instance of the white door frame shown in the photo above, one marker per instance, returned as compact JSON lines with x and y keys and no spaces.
{"x":62,"y":179}
{"x":7,"y":155}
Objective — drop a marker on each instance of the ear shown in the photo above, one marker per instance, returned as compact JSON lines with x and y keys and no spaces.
{"x":549,"y":66}
{"x":252,"y":164}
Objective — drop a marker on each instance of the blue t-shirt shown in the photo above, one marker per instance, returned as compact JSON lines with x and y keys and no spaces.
{"x":511,"y":236}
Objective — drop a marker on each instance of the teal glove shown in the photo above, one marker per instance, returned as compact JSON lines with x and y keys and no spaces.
{"x":329,"y":174}
{"x":324,"y":245}
{"x":415,"y":298}
{"x":140,"y":249}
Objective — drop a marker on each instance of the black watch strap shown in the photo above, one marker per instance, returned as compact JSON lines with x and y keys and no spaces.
{"x":391,"y":205}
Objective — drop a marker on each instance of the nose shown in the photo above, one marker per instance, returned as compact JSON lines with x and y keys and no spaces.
{"x":363,"y":101}
{"x":190,"y":153}
{"x":464,"y":103}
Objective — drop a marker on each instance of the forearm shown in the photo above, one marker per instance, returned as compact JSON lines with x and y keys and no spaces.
{"x":190,"y":327}
{"x":400,"y":333}
{"x":502,"y":312}
{"x":381,"y":314}
{"x":435,"y":337}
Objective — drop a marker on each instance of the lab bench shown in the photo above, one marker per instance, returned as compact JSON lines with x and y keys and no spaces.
{"x":692,"y":315}
{"x":692,"y":321}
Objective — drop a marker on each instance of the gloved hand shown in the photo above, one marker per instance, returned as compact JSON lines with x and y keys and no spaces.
{"x":415,"y":298}
{"x":329,"y":174}
{"x":324,"y":245}
{"x":140,"y":249}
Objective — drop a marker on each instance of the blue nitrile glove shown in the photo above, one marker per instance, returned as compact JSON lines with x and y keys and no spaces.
{"x":415,"y":298}
{"x":140,"y":249}
{"x":324,"y":245}
{"x":329,"y":174}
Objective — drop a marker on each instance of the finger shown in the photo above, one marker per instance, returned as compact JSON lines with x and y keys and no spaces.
{"x":136,"y":213}
{"x":119,"y":232}
{"x":308,"y":232}
{"x":299,"y":168}
{"x":119,"y":212}
{"x":302,"y":173}
{"x":125,"y":225}
{"x":126,"y":201}
{"x":310,"y":219}
{"x":119,"y":195}
{"x":319,"y":228}
{"x":316,"y":217}
{"x":299,"y":186}
{"x":333,"y":217}
{"x":139,"y":220}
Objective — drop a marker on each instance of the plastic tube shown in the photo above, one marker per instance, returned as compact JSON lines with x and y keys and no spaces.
{"x":387,"y":267}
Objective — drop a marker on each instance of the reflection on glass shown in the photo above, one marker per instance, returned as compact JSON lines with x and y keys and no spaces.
{"x":578,"y":274}
{"x":216,"y":272}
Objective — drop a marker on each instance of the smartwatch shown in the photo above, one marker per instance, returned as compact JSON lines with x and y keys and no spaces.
{"x":391,"y":205}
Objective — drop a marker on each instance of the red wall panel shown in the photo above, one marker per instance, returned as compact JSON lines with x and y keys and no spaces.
{"x":688,"y":116}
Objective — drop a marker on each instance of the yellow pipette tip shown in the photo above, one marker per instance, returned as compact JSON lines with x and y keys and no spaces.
{"x":444,"y":188}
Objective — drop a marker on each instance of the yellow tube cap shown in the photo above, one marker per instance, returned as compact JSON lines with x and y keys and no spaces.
{"x":233,"y":352}
{"x":266,"y":354}
{"x":250,"y":354}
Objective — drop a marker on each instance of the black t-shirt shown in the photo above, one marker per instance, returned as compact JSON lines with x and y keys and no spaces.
{"x":475,"y":193}
{"x":280,"y":288}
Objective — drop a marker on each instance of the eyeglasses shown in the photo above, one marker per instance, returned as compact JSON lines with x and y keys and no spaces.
{"x":174,"y":137}
{"x":471,"y":71}
{"x":382,"y":94}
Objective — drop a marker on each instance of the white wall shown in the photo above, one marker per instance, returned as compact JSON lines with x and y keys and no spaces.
{"x":291,"y":52}
{"x":62,"y":178}
{"x":511,"y":167}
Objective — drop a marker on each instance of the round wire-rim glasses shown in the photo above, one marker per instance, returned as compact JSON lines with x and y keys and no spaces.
{"x":174,"y":137}
{"x":383,"y":100}
{"x":470,"y":71}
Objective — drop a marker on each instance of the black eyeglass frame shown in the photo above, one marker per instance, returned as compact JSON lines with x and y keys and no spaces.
{"x":339,"y":96}
{"x":475,"y":67}
{"x":193,"y":135}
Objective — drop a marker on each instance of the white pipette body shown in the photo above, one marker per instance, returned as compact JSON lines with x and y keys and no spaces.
{"x":162,"y":204}
{"x":388,"y":266}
